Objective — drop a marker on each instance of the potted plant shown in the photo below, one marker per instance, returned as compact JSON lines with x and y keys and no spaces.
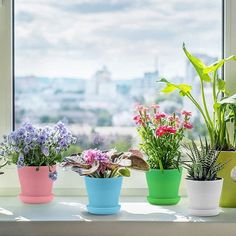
{"x":161,"y":135}
{"x":103,"y":173}
{"x":203,"y":185}
{"x":36,"y":151}
{"x":221,"y":123}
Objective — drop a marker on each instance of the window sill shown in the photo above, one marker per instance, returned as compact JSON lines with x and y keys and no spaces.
{"x":68,"y":216}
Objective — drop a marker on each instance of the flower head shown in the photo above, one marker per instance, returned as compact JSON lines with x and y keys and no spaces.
{"x":159,"y":116}
{"x":187,"y":113}
{"x":187,"y":125}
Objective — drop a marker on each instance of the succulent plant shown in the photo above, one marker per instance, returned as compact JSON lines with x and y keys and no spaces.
{"x":203,"y":164}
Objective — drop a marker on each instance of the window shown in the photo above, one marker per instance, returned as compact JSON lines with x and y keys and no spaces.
{"x":91,"y":61}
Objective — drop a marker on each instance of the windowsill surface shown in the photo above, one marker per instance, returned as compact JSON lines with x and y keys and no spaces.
{"x":74,"y":209}
{"x":68,"y":216}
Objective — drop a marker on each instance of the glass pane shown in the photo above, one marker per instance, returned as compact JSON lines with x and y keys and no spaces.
{"x":91,"y":61}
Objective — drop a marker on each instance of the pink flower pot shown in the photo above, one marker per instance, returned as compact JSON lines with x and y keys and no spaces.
{"x":36,"y":186}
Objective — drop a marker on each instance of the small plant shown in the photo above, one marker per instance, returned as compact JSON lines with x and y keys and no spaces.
{"x":105,"y":164}
{"x":224,"y":109}
{"x":34,"y":146}
{"x":203,"y":165}
{"x":161,"y":135}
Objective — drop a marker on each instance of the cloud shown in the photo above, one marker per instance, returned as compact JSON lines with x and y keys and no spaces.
{"x":75,"y":38}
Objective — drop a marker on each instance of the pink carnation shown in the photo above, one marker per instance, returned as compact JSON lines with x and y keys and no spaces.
{"x":187,"y":125}
{"x":138,"y":120}
{"x":160,"y":131}
{"x":186,"y":113}
{"x":159,"y":116}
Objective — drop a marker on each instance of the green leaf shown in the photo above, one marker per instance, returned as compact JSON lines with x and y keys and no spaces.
{"x":124,"y":172}
{"x":171,"y":87}
{"x":215,"y":66}
{"x":216,"y":106}
{"x":221,"y":84}
{"x":198,"y":65}
{"x":229,"y":100}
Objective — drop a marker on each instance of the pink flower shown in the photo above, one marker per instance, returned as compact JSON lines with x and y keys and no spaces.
{"x":141,"y":108}
{"x":138,"y":120}
{"x":160,"y":131}
{"x":159,"y":116}
{"x":155,"y":106}
{"x":171,"y":129}
{"x":186,"y":113}
{"x":187,"y":125}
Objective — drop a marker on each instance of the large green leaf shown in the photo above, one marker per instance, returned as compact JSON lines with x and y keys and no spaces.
{"x":198,"y":65}
{"x":215,"y":66}
{"x":171,"y":87}
{"x":229,"y":100}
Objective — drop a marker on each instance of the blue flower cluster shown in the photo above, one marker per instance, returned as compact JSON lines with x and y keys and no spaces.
{"x":33,"y":146}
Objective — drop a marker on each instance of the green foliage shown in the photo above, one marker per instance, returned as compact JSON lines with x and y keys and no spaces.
{"x":224,"y":110}
{"x":124,"y":172}
{"x":203,"y":165}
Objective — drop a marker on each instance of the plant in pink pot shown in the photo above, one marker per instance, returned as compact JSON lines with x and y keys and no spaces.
{"x":36,"y":151}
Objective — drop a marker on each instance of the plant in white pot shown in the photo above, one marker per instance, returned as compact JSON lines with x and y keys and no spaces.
{"x":203,"y":184}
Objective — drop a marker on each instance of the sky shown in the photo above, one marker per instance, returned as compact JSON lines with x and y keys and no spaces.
{"x":75,"y":38}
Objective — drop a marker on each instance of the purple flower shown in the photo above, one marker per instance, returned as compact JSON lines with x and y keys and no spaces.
{"x":45,"y":151}
{"x":28,"y":140}
{"x":57,"y":150}
{"x":53,"y":175}
{"x":21,"y":132}
{"x":26,"y":149}
{"x":41,"y":139}
{"x":20,"y":162}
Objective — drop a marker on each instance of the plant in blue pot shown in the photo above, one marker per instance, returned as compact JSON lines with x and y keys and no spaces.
{"x":104,"y":171}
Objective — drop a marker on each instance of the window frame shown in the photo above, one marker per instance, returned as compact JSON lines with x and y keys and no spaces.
{"x":9,"y":184}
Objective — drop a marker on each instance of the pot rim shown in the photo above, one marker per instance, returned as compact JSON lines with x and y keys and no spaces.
{"x":158,"y":170}
{"x":30,"y":167}
{"x":88,"y":177}
{"x":226,"y":151}
{"x":204,"y":181}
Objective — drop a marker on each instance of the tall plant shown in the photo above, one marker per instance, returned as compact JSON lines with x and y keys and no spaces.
{"x":224,"y":109}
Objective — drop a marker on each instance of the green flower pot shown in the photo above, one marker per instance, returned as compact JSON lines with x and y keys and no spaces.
{"x":228,"y":194}
{"x":163,"y":186}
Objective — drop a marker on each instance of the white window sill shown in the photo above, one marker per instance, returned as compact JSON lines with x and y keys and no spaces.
{"x":67,"y":216}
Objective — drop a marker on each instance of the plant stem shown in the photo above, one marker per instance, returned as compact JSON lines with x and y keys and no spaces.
{"x":209,"y":125}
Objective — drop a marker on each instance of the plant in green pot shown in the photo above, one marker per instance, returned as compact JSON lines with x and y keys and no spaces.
{"x":161,"y":135}
{"x":221,"y":123}
{"x":202,"y":181}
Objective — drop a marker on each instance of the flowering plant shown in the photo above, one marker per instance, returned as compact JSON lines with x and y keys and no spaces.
{"x":161,"y":135}
{"x":33,"y":146}
{"x":105,"y":164}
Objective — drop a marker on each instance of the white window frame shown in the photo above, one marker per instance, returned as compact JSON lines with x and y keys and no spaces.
{"x":8,"y":182}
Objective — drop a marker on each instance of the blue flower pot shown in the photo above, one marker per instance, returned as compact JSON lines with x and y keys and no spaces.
{"x":103,"y":195}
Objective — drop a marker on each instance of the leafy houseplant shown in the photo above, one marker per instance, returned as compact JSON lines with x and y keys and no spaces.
{"x":203,"y":184}
{"x":161,"y":135}
{"x":36,"y":151}
{"x":103,"y":171}
{"x":221,"y":124}
{"x":224,"y":109}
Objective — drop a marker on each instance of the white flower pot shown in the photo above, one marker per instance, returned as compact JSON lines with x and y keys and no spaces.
{"x":204,"y":197}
